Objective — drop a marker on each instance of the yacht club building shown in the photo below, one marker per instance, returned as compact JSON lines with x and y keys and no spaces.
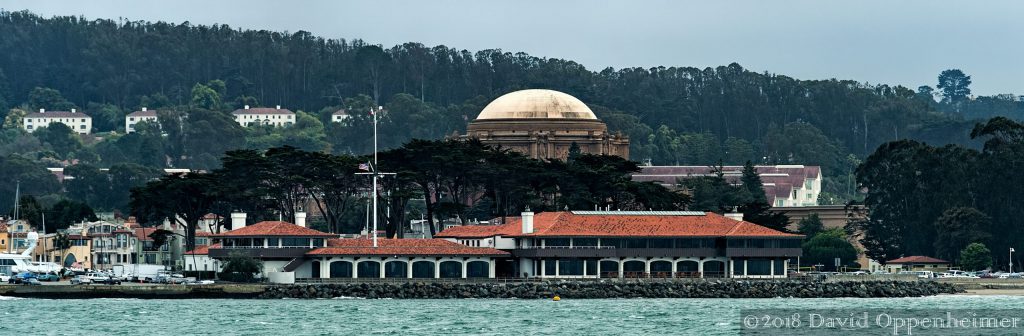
{"x":293,"y":251}
{"x":633,"y":244}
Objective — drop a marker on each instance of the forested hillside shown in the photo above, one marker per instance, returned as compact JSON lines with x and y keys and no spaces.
{"x":674,"y":115}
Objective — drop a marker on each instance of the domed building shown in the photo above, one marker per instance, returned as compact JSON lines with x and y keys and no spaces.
{"x":544,"y":124}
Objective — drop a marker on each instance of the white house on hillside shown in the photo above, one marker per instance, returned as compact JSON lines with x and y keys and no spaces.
{"x":135,"y":117}
{"x":79,"y":122}
{"x":264,"y":116}
{"x":339,"y":116}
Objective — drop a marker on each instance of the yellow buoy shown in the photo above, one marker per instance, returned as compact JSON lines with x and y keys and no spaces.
{"x":556,"y":298}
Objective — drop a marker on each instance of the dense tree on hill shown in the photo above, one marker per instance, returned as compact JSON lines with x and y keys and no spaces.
{"x":307,"y":72}
{"x":955,"y":85}
{"x":60,"y":138}
{"x":919,"y":196}
{"x":959,"y":227}
{"x":32,"y":176}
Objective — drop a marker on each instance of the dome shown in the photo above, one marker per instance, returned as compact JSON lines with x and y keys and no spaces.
{"x":536,"y":104}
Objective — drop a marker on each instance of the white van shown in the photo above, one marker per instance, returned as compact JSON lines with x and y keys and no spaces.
{"x":920,"y":274}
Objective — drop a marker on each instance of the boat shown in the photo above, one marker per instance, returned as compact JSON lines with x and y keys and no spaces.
{"x":11,"y":264}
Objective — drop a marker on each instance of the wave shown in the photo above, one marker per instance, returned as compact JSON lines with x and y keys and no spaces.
{"x":348,"y":298}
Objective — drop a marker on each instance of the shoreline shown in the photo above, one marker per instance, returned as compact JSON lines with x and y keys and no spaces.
{"x":524,"y":290}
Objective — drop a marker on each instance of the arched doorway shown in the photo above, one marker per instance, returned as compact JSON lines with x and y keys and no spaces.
{"x":395,"y":269}
{"x":633,"y":269}
{"x":478,"y":269}
{"x":661,"y":269}
{"x":714,"y":269}
{"x":451,"y":269}
{"x":609,"y":269}
{"x":341,"y":269}
{"x":70,"y":260}
{"x":368,"y":269}
{"x":687,"y":269}
{"x":423,"y":269}
{"x":315,"y":271}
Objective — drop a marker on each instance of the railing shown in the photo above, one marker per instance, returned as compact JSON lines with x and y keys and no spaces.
{"x":630,"y":277}
{"x":570,"y":247}
{"x":265,"y":247}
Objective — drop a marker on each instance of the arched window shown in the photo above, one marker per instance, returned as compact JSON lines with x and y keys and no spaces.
{"x":341,"y":269}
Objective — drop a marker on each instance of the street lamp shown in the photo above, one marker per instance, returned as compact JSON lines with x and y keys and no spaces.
{"x":1011,"y":260}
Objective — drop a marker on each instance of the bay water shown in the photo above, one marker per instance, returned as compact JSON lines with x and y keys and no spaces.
{"x":353,"y":316}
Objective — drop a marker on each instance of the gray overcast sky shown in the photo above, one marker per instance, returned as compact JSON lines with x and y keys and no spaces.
{"x":893,"y":42}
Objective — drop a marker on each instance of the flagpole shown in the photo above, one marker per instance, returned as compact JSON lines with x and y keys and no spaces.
{"x":1011,"y":260}
{"x":374,"y":175}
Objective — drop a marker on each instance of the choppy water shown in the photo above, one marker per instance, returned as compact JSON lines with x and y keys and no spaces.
{"x":423,"y":317}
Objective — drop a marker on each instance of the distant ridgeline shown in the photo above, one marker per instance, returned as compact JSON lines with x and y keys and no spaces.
{"x":674,"y":115}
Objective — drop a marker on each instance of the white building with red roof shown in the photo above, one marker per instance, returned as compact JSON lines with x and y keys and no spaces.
{"x":138,"y":116}
{"x":292,"y":251}
{"x":633,"y":244}
{"x":79,"y":122}
{"x":276,"y":116}
{"x":784,"y":185}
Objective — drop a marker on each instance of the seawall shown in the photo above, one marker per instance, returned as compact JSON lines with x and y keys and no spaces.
{"x":217,"y":291}
{"x":609,"y":289}
{"x":522,"y":290}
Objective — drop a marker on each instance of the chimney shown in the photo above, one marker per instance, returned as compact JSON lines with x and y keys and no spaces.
{"x":527,"y":221}
{"x":72,"y":110}
{"x":300,"y":218}
{"x":246,"y":107}
{"x":734,"y":215}
{"x":42,"y":110}
{"x":143,"y":109}
{"x":237,"y":220}
{"x":278,"y":107}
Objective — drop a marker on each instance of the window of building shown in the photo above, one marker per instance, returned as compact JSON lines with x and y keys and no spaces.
{"x":549,"y":266}
{"x":584,"y":242}
{"x":83,"y":127}
{"x":737,"y":267}
{"x":759,"y":267}
{"x":661,"y":243}
{"x":549,"y":242}
{"x":131,"y":119}
{"x":736,"y":243}
{"x":570,"y":267}
{"x":810,"y":196}
{"x":794,"y":194}
{"x":780,"y":266}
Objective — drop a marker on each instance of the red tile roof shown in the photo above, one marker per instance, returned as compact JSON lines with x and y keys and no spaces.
{"x":202,"y":249}
{"x":146,"y":113}
{"x":203,"y":234}
{"x":779,"y":180}
{"x":274,"y":228}
{"x":57,"y":114}
{"x":262,"y":110}
{"x":569,"y":224}
{"x":142,"y":233}
{"x":917,"y":260}
{"x":403,"y":247}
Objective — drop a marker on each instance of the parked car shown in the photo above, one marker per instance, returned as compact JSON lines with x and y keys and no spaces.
{"x":21,"y":278}
{"x":200,"y":282}
{"x":81,"y":280}
{"x":31,"y":281}
{"x":48,"y":277}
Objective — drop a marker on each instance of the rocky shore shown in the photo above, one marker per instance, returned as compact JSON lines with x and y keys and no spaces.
{"x":610,"y":289}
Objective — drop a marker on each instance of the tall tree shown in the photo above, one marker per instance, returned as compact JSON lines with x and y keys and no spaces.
{"x":180,"y":198}
{"x":955,"y":85}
